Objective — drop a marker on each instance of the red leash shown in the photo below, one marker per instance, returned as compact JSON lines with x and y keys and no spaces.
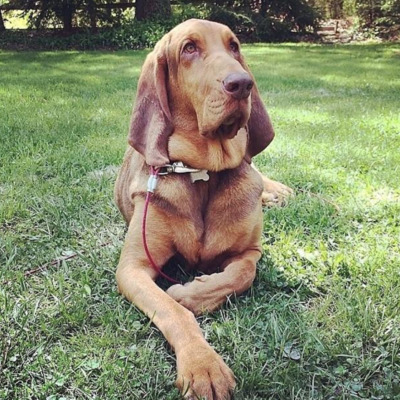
{"x":151,"y":186}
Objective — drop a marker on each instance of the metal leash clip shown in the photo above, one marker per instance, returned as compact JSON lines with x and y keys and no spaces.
{"x":179,"y":167}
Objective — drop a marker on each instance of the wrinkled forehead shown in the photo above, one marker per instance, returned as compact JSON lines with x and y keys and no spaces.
{"x":203,"y":32}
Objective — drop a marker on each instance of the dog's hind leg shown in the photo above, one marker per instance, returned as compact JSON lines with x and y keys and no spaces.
{"x":274,"y":193}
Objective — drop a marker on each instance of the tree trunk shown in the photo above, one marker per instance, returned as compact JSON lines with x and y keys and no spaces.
{"x":67,"y":22}
{"x":92,"y":15}
{"x":67,"y":15}
{"x":264,"y":8}
{"x":152,"y":9}
{"x":2,"y":26}
{"x":336,"y":9}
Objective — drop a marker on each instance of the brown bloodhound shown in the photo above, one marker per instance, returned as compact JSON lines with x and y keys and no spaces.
{"x":197,"y":104}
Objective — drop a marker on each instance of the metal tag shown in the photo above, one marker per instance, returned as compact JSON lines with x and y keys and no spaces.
{"x":201,"y":175}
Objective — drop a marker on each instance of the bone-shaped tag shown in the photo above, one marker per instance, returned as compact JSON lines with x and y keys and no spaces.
{"x":201,"y":175}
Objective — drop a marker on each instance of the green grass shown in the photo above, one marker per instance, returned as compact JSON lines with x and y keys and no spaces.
{"x":322,"y":320}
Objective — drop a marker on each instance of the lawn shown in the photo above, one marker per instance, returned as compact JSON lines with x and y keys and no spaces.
{"x":322,"y":320}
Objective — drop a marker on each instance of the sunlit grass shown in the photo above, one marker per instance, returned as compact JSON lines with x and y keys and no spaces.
{"x":328,"y":284}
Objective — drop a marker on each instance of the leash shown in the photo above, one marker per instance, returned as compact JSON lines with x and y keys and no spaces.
{"x":179,"y":168}
{"x":151,"y":187}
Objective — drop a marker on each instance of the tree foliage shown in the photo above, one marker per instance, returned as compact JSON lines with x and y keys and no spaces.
{"x":378,"y":12}
{"x":267,"y":20}
{"x":152,"y":9}
{"x":263,"y":19}
{"x":65,"y":13}
{"x":70,"y":13}
{"x":370,"y":13}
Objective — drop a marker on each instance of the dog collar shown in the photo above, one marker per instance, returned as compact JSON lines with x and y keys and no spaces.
{"x":178,"y":167}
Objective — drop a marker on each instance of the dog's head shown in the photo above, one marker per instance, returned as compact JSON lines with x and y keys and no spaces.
{"x":196,"y":80}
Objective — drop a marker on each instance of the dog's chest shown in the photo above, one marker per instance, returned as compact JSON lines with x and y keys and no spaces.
{"x":215,"y":217}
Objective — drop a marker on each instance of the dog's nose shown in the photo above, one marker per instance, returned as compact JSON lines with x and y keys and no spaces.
{"x":238,"y":85}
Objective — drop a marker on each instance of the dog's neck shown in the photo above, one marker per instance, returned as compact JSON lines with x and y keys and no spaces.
{"x":212,"y":154}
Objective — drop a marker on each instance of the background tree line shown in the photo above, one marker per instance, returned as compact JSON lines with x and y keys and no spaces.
{"x":43,"y":13}
{"x":262,"y":19}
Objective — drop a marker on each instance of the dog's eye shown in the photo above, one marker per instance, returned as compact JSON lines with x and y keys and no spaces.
{"x":234,"y":46}
{"x":190,"y":48}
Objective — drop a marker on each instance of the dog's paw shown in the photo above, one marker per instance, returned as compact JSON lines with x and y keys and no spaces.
{"x":202,"y":374}
{"x":197,"y":296}
{"x":275,"y":193}
{"x":181,"y":294}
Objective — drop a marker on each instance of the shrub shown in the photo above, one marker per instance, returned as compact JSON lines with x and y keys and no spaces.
{"x":137,"y":35}
{"x":240,"y":23}
{"x":271,"y":30}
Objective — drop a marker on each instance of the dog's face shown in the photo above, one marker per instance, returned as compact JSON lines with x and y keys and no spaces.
{"x":196,"y":81}
{"x":208,"y":81}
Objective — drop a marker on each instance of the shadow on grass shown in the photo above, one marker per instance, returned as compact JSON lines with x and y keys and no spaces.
{"x":66,"y":114}
{"x":37,"y":71}
{"x":337,"y":67}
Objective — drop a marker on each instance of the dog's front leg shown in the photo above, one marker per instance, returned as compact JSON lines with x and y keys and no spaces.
{"x":201,"y":371}
{"x":208,"y":292}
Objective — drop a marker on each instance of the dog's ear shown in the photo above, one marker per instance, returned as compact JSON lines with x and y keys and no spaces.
{"x":151,"y":123}
{"x":259,"y":125}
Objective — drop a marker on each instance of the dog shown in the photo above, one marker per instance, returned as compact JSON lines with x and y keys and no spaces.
{"x":197,"y":122}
